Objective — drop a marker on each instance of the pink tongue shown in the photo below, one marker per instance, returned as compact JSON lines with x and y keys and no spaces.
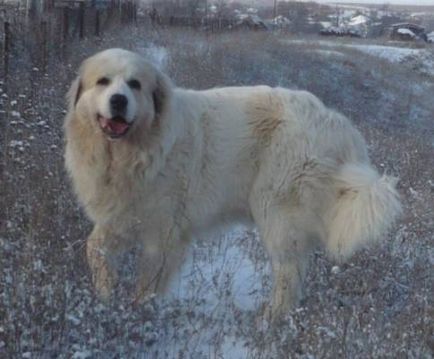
{"x":116,"y":127}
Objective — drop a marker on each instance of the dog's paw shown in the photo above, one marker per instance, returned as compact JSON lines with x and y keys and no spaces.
{"x":140,"y":298}
{"x":274,"y":315}
{"x":104,"y":282}
{"x":268,"y":315}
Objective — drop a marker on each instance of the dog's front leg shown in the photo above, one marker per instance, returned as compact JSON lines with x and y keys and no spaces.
{"x":102,"y":250}
{"x":159,"y":258}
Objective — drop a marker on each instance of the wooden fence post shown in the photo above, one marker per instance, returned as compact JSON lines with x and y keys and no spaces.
{"x":6,"y":48}
{"x":81,"y":21}
{"x":44,"y":44}
{"x":65,"y":23}
{"x":65,"y":30}
{"x":97,"y":23}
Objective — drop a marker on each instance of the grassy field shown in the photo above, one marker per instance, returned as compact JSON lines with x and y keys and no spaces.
{"x":378,"y":305}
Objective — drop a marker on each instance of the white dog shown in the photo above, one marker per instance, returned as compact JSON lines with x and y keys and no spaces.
{"x":154,"y":164}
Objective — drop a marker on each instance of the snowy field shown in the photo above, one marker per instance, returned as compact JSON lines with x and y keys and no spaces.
{"x":394,"y":52}
{"x":378,"y":305}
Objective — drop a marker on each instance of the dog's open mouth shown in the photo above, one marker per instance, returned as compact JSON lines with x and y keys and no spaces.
{"x":114,"y":127}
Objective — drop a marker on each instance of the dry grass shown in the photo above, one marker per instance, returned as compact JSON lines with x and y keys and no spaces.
{"x":377,"y":305}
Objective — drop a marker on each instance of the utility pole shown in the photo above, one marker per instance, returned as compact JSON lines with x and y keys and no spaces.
{"x":31,"y":7}
{"x":206,"y":11}
{"x":337,"y":15}
{"x":275,"y":9}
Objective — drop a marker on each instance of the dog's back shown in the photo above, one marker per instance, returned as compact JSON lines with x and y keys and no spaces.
{"x":307,"y":154}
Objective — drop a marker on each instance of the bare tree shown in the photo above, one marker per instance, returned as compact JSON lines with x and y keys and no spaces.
{"x":193,"y":6}
{"x":222,"y":9}
{"x":296,"y":12}
{"x":32,"y":7}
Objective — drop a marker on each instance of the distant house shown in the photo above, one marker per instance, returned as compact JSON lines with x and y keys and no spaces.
{"x":360,"y":24}
{"x":326,"y":24}
{"x":252,"y":11}
{"x":359,"y":20}
{"x":356,"y":26}
{"x":251,"y":22}
{"x":279,"y":22}
{"x":408,"y":32}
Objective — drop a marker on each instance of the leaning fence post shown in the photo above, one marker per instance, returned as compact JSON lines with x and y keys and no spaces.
{"x":6,"y":48}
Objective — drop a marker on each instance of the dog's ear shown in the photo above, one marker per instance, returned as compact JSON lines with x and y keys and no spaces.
{"x":161,"y":94}
{"x":74,"y":93}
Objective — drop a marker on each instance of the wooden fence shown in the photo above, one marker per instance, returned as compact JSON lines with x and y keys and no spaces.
{"x":46,"y":34}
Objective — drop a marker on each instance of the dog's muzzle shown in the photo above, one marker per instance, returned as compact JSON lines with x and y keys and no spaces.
{"x":116,"y":126}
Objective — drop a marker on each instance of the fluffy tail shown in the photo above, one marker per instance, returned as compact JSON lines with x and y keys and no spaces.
{"x":366,"y":207}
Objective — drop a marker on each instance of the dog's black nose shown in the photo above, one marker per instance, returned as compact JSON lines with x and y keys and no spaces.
{"x":118,"y":103}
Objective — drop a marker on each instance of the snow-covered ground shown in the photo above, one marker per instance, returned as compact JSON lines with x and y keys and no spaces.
{"x":389,"y":53}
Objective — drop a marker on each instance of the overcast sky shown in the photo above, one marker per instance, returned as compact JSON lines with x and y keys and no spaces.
{"x":406,"y":2}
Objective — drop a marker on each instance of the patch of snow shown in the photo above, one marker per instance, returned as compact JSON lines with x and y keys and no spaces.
{"x":84,"y":354}
{"x":335,"y":270}
{"x":225,"y":279}
{"x":233,"y":348}
{"x":330,"y":53}
{"x":226,"y":265}
{"x":406,"y":32}
{"x":73,"y":319}
{"x":390,"y":53}
{"x":423,"y":58}
{"x":326,"y":331}
{"x":326,"y":24}
{"x":358,"y":20}
{"x":348,"y":14}
{"x":280,"y":21}
{"x":15,"y":143}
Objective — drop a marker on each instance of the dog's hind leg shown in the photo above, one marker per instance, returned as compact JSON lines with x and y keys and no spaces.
{"x":289,"y":226}
{"x":288,"y":236}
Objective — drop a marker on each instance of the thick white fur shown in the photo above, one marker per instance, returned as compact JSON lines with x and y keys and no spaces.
{"x":194,"y":159}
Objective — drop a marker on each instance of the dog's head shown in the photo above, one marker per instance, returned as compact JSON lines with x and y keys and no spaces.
{"x":117,"y":91}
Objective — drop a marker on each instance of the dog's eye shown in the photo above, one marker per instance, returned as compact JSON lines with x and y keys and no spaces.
{"x":134,"y":84}
{"x":103,"y":81}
